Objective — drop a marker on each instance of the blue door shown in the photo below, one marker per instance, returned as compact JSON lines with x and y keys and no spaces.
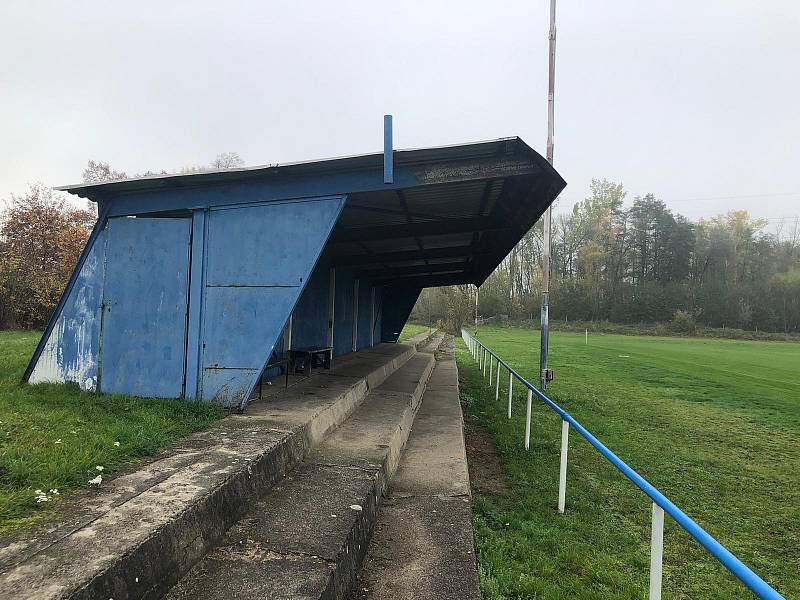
{"x":144,"y":307}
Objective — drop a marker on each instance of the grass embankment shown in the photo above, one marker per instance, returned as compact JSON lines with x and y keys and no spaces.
{"x":410,"y":330}
{"x":714,"y":424}
{"x":53,"y":437}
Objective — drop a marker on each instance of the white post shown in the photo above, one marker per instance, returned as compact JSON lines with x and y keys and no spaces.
{"x":562,"y":475}
{"x":656,"y":552}
{"x":528,"y":421}
{"x":490,"y":371}
{"x":510,"y":386}
{"x":587,"y":337}
{"x":497,"y":385}
{"x":485,"y":356}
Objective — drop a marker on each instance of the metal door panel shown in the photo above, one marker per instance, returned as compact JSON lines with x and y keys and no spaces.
{"x":144,"y":307}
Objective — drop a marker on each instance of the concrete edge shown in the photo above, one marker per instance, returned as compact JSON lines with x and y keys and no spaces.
{"x":173,"y":548}
{"x":354,"y":550}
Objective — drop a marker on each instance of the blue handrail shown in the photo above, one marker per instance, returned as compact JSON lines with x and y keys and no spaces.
{"x":742,"y":572}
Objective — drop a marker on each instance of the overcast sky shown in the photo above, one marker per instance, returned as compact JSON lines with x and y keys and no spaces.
{"x":697,"y":102}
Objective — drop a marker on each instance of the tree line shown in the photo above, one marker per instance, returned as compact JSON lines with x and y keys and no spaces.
{"x":41,"y":238}
{"x":642,"y":263}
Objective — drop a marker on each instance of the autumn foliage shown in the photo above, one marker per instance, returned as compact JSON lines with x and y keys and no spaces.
{"x":41,"y":238}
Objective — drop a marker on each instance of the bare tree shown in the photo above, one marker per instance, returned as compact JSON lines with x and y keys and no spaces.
{"x":97,"y":172}
{"x":227,"y":160}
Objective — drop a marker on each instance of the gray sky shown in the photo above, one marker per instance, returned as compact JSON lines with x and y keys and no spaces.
{"x":693,"y":101}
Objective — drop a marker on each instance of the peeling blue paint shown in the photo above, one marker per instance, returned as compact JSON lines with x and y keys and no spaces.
{"x":71,"y":351}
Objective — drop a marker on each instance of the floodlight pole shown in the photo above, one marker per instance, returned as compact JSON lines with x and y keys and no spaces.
{"x":545,"y":374}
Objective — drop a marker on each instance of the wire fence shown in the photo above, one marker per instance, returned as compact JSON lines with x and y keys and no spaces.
{"x":661,"y":504}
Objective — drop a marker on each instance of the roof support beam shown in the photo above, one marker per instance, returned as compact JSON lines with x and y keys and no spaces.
{"x":401,"y":256}
{"x":401,"y":197}
{"x":413,"y":270}
{"x":384,"y":232}
{"x":432,"y":280}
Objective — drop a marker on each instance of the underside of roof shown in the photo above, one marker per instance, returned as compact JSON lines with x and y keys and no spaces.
{"x":449,"y":233}
{"x":450,"y":216}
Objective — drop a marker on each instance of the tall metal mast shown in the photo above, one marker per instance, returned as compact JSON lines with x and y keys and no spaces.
{"x":545,"y":373}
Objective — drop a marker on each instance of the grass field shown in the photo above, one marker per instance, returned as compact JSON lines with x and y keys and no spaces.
{"x":714,"y":424}
{"x":53,"y":437}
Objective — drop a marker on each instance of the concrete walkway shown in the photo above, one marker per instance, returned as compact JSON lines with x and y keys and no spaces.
{"x":423,"y":542}
{"x":307,"y":537}
{"x":137,"y":534}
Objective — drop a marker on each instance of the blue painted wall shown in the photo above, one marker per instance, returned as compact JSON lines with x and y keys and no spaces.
{"x":145,"y":303}
{"x":343,"y":313}
{"x":364,"y":313}
{"x":310,"y":316}
{"x":249,"y":270}
{"x":257,"y":266}
{"x":70,"y":352}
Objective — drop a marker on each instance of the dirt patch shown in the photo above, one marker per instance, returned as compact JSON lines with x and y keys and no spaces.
{"x":486,"y":474}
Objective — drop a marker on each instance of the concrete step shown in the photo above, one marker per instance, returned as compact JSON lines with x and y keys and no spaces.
{"x":137,"y":534}
{"x":421,"y":339}
{"x":307,"y":537}
{"x":433,"y":343}
{"x":423,"y":546}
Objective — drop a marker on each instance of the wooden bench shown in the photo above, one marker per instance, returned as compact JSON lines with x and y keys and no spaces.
{"x":306,"y":357}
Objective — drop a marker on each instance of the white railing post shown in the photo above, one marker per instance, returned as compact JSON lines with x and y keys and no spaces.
{"x":510,"y":386}
{"x":528,"y":421}
{"x":656,"y":552}
{"x":490,"y":371}
{"x":485,"y":357}
{"x":562,"y":474}
{"x":497,"y":385}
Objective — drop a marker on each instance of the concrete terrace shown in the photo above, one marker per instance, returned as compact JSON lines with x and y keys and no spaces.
{"x":282,"y":501}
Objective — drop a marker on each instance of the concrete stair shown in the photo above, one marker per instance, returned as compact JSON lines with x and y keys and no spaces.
{"x":137,"y":534}
{"x":423,"y":545}
{"x":308,"y":536}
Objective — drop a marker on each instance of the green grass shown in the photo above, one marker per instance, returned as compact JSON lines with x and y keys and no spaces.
{"x":53,"y":436}
{"x":714,"y":424}
{"x":410,"y":330}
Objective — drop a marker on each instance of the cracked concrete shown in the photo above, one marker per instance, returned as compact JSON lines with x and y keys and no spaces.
{"x":308,"y":535}
{"x":423,"y":543}
{"x":135,"y":536}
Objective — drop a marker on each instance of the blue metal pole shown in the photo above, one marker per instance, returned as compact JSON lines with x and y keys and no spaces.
{"x":388,"y":159}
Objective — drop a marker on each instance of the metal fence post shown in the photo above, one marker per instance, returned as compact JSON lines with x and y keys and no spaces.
{"x":510,"y":386}
{"x":562,"y":475}
{"x":656,"y":552}
{"x":490,"y":371}
{"x":485,"y":358}
{"x":528,"y":421}
{"x":497,"y":385}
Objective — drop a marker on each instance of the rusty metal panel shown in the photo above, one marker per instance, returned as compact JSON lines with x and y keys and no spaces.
{"x":144,"y":307}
